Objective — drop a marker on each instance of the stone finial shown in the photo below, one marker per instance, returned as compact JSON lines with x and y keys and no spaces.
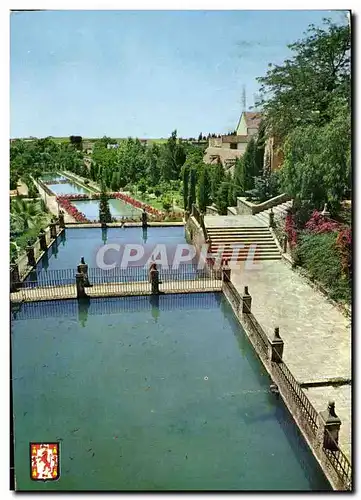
{"x":246,"y":290}
{"x":277,"y":332}
{"x":331,"y":409}
{"x":29,"y":243}
{"x":325,"y":211}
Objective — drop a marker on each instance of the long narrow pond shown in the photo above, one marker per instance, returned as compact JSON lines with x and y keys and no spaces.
{"x":90,"y":208}
{"x":108,"y":246}
{"x":146,"y":394}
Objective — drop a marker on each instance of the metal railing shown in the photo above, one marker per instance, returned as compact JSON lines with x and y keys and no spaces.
{"x":339,"y":462}
{"x":289,"y":385}
{"x":261,"y":336}
{"x":303,"y":403}
{"x":133,"y":280}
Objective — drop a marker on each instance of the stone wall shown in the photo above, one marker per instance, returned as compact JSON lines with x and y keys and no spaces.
{"x":245,"y":207}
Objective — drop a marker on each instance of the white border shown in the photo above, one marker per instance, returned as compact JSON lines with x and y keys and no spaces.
{"x":4,"y":172}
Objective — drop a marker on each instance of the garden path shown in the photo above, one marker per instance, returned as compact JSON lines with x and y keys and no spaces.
{"x":317,"y":335}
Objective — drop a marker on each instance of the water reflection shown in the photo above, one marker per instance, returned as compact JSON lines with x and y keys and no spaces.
{"x":63,"y":237}
{"x":104,"y":234}
{"x":155,"y":311}
{"x":145,"y":235}
{"x":83,"y":310}
{"x":55,"y":248}
{"x":45,"y":261}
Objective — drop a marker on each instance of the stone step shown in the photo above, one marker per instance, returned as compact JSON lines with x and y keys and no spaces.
{"x":240,"y":236}
{"x":261,"y":243}
{"x":263,"y":230}
{"x":240,"y":253}
{"x":242,"y":258}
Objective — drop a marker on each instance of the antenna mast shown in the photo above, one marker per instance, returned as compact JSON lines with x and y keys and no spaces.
{"x":244,"y":98}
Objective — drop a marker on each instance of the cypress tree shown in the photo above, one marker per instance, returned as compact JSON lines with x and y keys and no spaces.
{"x":222,"y":198}
{"x":217,"y":178}
{"x":192,"y":188}
{"x":185,"y":186}
{"x":204,"y":189}
{"x":104,"y":210}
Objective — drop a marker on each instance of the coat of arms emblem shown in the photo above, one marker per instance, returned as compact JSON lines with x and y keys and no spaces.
{"x":44,"y":461}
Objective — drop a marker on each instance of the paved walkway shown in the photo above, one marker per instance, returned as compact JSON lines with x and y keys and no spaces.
{"x":317,"y":336}
{"x":233,"y":220}
{"x":52,"y":204}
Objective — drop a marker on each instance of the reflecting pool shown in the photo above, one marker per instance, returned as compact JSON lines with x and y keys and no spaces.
{"x":118,"y":209}
{"x":148,"y":393}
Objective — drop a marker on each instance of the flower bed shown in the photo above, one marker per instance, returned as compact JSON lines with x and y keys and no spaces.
{"x":120,"y":196}
{"x":65,"y":203}
{"x":137,"y":204}
{"x":82,"y":196}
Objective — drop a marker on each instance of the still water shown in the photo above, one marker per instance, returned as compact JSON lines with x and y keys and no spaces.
{"x":86,"y":242}
{"x":151,"y":394}
{"x":68,"y":188}
{"x":118,"y":209}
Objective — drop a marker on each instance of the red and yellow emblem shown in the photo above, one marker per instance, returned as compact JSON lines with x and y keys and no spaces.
{"x":44,"y":461}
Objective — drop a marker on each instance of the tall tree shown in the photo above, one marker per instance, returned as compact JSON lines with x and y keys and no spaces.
{"x":185,"y":178}
{"x":217,"y":177}
{"x":192,"y":188}
{"x":204,"y":188}
{"x":104,"y":210}
{"x":222,"y":198}
{"x":299,"y":92}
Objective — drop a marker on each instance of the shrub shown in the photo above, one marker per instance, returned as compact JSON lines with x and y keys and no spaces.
{"x":318,"y":254}
{"x":319,"y":224}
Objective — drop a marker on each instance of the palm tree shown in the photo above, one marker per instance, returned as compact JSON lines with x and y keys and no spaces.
{"x":28,"y":212}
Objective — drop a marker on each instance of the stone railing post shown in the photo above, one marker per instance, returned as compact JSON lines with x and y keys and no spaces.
{"x":144,"y":220}
{"x":154,"y":280}
{"x":80,"y":290}
{"x":277,"y":346}
{"x":30,"y":252}
{"x":271,"y":218}
{"x":42,"y":238}
{"x":14,"y":276}
{"x":53,"y":229}
{"x":328,"y":427}
{"x":83,"y":270}
{"x":61,"y":219}
{"x":246,"y":301}
{"x":226,"y":272}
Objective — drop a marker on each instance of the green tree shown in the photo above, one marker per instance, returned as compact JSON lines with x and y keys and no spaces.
{"x":185,"y":175}
{"x":217,"y":177}
{"x":222,"y":198}
{"x":26,"y":213}
{"x":317,"y":164}
{"x":249,"y":165}
{"x":204,"y":188}
{"x":172,"y":158}
{"x":115,"y":181}
{"x":192,"y":188}
{"x":104,"y":210}
{"x":300,"y":91}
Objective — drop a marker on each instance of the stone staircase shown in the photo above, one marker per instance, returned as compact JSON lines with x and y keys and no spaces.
{"x":280,"y":212}
{"x":256,"y":242}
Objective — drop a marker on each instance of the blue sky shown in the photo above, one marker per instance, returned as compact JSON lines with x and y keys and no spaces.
{"x":142,"y":73}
